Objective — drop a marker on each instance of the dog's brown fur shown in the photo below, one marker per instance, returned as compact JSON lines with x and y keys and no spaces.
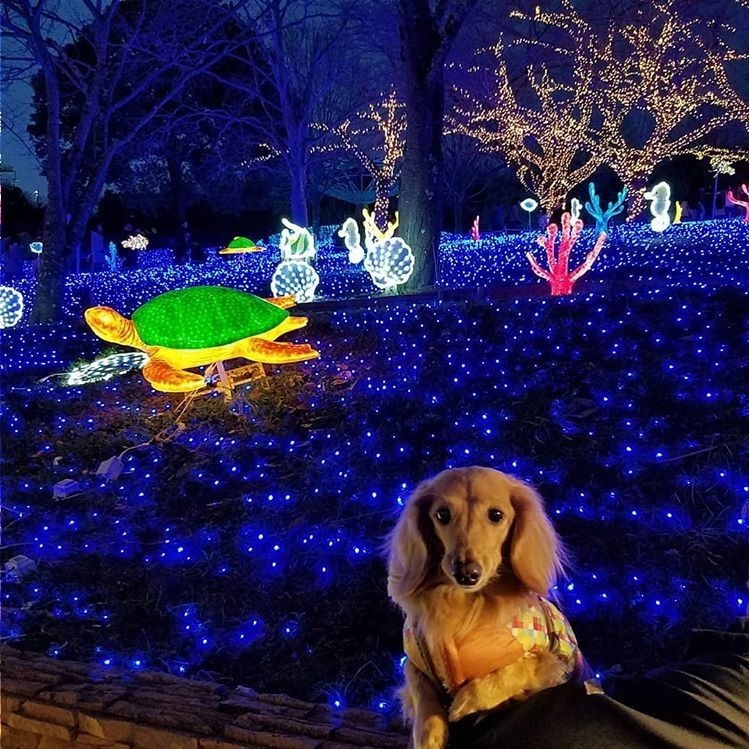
{"x":519,"y":556}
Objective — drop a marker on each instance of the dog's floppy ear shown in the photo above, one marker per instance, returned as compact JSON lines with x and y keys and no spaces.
{"x":412,"y":546}
{"x":537,"y":555}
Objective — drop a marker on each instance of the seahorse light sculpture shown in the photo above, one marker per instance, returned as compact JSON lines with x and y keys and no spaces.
{"x":736,"y":201}
{"x":576,"y":208}
{"x":660,"y":197}
{"x":558,"y":274}
{"x":349,"y":232}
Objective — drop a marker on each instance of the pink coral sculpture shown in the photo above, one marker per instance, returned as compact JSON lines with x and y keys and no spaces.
{"x":475,"y":236}
{"x":558,"y":275}
{"x":736,"y":201}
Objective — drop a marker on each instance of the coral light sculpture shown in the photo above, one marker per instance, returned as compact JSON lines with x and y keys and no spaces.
{"x":558,"y":274}
{"x":593,"y":207}
{"x":475,"y":235}
{"x":373,"y":234}
{"x":576,"y":208}
{"x":737,"y":201}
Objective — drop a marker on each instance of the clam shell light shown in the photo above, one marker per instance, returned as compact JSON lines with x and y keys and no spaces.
{"x":295,"y":278}
{"x":389,"y":263}
{"x":11,"y":306}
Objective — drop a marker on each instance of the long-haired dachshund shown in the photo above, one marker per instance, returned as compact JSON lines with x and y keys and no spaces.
{"x":471,"y":560}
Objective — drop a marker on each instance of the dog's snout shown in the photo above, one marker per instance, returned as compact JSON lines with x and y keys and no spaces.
{"x":466,"y":573}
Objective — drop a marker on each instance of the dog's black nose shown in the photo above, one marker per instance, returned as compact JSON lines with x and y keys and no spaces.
{"x":466,"y":573}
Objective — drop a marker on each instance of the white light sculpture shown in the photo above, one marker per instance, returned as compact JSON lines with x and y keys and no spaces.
{"x":36,"y":247}
{"x":296,"y":243}
{"x":106,"y":368}
{"x":11,"y":306}
{"x":529,"y":205}
{"x":349,"y":232}
{"x":295,"y":278}
{"x":389,"y":263}
{"x":660,"y":197}
{"x":135,"y":242}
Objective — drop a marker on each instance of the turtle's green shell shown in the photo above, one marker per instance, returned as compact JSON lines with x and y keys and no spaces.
{"x":204,"y":316}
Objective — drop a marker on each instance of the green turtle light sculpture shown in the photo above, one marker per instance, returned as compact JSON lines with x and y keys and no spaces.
{"x":202,"y":325}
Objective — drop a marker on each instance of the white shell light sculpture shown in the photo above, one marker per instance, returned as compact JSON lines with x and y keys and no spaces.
{"x":296,"y":278}
{"x":11,"y":306}
{"x":389,"y":263}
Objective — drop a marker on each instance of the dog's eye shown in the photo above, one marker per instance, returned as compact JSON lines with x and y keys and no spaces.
{"x":496,"y":515}
{"x":442,"y":515}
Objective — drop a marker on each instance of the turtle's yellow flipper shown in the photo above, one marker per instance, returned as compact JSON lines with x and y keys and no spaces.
{"x":167,"y":379}
{"x":272,"y":352}
{"x":284,"y":302}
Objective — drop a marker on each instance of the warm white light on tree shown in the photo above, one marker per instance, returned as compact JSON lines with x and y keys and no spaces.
{"x":135,"y":242}
{"x":376,"y":137}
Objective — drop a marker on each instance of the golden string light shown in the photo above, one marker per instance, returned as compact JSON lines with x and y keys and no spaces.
{"x":376,"y":137}
{"x":631,"y":95}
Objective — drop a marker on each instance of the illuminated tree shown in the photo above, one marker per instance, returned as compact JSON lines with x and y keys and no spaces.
{"x":132,"y":50}
{"x":375,"y":136}
{"x":540,"y":124}
{"x":640,"y":89}
{"x":665,"y":90}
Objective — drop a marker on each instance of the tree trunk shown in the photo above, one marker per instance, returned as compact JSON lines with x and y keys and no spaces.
{"x":177,"y":182}
{"x":636,"y":204}
{"x":316,"y":213}
{"x":457,"y":216}
{"x":50,"y":288}
{"x":382,"y":203}
{"x":420,"y":198}
{"x":298,"y":175}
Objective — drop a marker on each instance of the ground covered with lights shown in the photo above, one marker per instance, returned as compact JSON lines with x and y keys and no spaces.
{"x":242,"y":540}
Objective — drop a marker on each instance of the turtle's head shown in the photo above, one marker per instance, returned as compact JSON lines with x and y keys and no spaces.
{"x":112,"y":326}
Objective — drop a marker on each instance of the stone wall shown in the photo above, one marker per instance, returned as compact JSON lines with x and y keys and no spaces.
{"x":52,"y":704}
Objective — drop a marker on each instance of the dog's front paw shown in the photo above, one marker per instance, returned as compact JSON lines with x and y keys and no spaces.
{"x":472,"y":698}
{"x":431,"y":733}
